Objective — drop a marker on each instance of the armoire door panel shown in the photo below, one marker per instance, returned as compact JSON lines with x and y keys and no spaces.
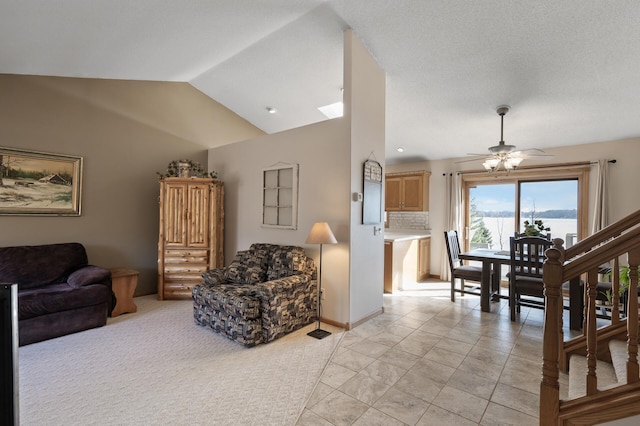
{"x":175,"y":216}
{"x":198,"y":215}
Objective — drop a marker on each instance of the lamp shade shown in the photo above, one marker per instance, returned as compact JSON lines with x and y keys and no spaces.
{"x":321,"y":234}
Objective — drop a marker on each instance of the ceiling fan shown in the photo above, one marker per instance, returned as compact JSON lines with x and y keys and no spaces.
{"x":503,"y":155}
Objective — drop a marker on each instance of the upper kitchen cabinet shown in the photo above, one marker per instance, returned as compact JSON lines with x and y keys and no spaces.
{"x":407,"y":191}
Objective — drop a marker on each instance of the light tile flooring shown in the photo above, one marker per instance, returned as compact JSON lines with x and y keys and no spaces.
{"x":428,"y":361}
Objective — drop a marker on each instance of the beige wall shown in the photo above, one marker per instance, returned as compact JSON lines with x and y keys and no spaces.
{"x":330,"y":156}
{"x":126,"y":131}
{"x":321,"y":151}
{"x":623,"y":174}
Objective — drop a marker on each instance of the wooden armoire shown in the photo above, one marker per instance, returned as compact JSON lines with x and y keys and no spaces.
{"x":191,"y":233}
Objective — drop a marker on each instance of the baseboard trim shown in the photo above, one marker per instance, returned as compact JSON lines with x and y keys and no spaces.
{"x":334,"y":323}
{"x":350,"y":326}
{"x":365,"y":319}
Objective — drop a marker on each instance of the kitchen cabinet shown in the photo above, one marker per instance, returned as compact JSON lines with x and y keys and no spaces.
{"x":191,"y":234}
{"x":388,"y":267}
{"x":406,"y":260}
{"x":407,"y":191}
{"x":424,"y":258}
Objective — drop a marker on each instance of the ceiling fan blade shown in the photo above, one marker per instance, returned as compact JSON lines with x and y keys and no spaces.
{"x":479,"y":158}
{"x":538,"y":150}
{"x":533,"y":152}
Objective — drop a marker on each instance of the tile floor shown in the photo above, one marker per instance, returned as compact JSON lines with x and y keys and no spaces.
{"x":428,"y":361}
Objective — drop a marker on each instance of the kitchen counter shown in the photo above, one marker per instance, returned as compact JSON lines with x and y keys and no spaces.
{"x":403,"y":235}
{"x":406,"y":257}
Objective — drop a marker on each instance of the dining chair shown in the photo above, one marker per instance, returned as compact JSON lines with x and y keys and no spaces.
{"x":525,"y":277}
{"x":459,"y":270}
{"x":522,"y":234}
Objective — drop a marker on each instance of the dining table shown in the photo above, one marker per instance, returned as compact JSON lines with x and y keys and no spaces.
{"x":492,"y":261}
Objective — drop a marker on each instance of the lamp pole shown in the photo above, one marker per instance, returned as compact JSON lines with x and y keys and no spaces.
{"x":320,"y":234}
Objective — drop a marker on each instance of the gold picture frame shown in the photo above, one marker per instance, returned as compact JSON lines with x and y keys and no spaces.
{"x":39,"y":183}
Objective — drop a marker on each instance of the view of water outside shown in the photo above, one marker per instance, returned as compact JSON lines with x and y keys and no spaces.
{"x":492,"y":212}
{"x":553,"y":202}
{"x":502,"y":228}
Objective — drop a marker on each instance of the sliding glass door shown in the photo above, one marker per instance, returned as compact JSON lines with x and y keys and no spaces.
{"x":491,"y":215}
{"x":500,"y":205}
{"x":553,"y":205}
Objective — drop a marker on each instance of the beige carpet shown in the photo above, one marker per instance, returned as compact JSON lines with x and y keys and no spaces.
{"x":157,"y":367}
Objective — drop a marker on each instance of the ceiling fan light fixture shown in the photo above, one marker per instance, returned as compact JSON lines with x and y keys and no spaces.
{"x":491,"y":164}
{"x":513,"y":162}
{"x":503,"y":154}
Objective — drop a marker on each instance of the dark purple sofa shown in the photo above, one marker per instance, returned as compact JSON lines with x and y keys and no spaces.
{"x":58,"y":291}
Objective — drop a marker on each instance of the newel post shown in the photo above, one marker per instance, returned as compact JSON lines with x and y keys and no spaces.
{"x":549,"y":386}
{"x":633,"y":371}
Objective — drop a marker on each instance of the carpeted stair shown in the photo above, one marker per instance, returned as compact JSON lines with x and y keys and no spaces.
{"x":609,"y":374}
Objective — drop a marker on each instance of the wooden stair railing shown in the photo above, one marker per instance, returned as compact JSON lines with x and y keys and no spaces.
{"x":583,"y":260}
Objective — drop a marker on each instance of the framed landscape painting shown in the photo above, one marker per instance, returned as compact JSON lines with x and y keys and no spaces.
{"x":38,"y":183}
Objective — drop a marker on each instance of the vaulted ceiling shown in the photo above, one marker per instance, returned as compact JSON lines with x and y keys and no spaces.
{"x":568,"y":68}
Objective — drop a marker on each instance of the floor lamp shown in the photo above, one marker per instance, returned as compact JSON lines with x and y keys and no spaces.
{"x":320,"y":234}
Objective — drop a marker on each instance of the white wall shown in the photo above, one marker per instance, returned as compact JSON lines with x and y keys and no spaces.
{"x":364,"y":97}
{"x":624,"y":195}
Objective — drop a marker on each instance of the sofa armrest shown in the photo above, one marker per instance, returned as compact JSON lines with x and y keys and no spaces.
{"x":287,"y":304}
{"x":89,"y":275}
{"x":282,"y":287}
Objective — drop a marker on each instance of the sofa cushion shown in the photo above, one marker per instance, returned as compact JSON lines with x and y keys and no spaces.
{"x":59,"y":298}
{"x":88,"y":275}
{"x":247,"y":267}
{"x":37,"y":266}
{"x":286,"y":261}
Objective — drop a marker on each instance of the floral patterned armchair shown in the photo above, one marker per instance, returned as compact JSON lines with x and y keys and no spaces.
{"x":265,"y":293}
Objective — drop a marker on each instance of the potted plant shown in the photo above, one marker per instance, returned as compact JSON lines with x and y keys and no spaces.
{"x":624,"y":285}
{"x":186,"y":168}
{"x":534,"y":229}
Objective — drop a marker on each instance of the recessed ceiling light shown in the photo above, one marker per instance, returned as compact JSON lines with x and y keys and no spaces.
{"x":333,"y":111}
{"x":400,"y":149}
{"x":271,"y":110}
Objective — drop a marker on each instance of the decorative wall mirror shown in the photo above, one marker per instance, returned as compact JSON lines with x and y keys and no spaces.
{"x":280,"y":196}
{"x":372,"y":194}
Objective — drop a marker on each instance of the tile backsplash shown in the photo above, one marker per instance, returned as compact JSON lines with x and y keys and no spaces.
{"x":408,"y":220}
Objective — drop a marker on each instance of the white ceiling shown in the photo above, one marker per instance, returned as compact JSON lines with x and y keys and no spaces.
{"x":570,"y":69}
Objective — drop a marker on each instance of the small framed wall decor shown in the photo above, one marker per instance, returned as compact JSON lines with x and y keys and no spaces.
{"x":280,"y":196}
{"x":372,"y":194}
{"x":38,"y":183}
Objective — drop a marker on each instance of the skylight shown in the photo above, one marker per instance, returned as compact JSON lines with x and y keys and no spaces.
{"x":333,"y":110}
